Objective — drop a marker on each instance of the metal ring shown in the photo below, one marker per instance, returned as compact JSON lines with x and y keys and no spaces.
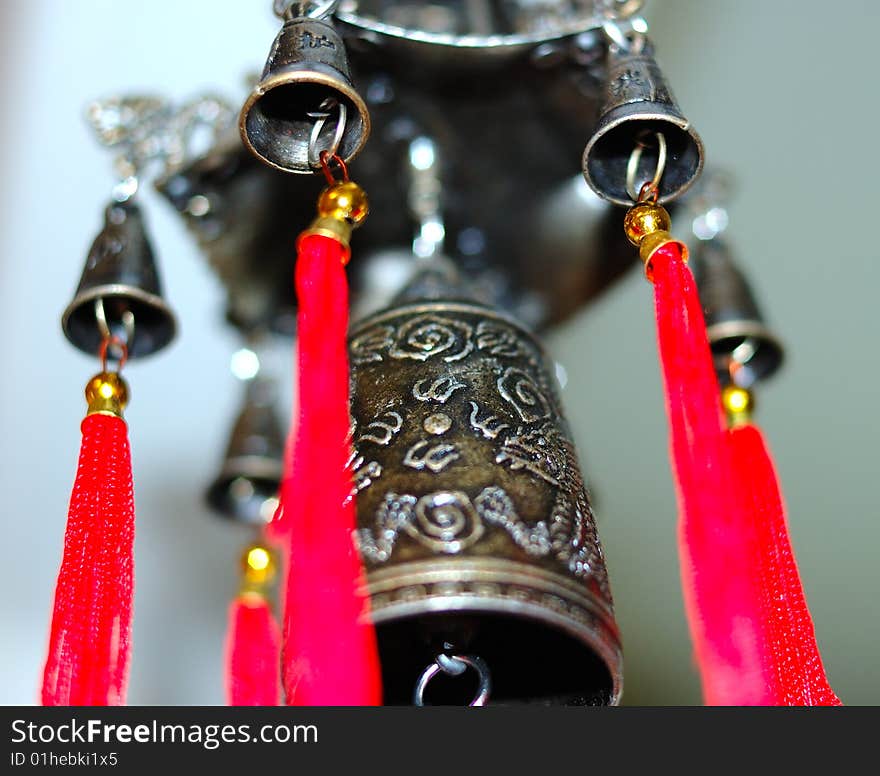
{"x":326,"y":158}
{"x":108,"y":336}
{"x":322,"y":114}
{"x":106,"y":344}
{"x":312,"y":10}
{"x":451,"y":665}
{"x":740,"y":375}
{"x":632,"y":166}
{"x":620,"y":9}
{"x":633,"y":41}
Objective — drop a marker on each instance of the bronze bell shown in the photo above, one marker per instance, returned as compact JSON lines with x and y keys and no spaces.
{"x":734,"y":323}
{"x":473,"y":521}
{"x":637,"y":106}
{"x":246,"y":490}
{"x":305,"y":76}
{"x":120,"y":290}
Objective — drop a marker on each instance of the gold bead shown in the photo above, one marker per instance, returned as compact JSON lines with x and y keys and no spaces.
{"x":738,"y":405}
{"x":107,"y":393}
{"x":643,"y":219}
{"x":258,"y":567}
{"x":344,"y":201}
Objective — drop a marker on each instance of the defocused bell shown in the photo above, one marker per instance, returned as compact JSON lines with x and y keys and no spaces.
{"x":120,"y":290}
{"x":473,"y":521}
{"x":307,"y":71}
{"x":246,"y":489}
{"x":734,"y":323}
{"x":637,"y":105}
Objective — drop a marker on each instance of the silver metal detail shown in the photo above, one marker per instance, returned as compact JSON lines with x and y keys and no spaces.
{"x":290,"y":9}
{"x":635,"y":157}
{"x":456,"y":665}
{"x":322,"y":115}
{"x":108,"y":334}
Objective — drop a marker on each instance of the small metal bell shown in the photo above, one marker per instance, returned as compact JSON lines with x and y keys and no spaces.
{"x":473,"y":521}
{"x":120,"y":291}
{"x":286,"y":120}
{"x":638,"y":105}
{"x":246,"y":490}
{"x":736,"y":329}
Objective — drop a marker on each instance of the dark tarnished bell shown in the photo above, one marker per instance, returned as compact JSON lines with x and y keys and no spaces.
{"x":307,"y":65}
{"x":120,"y":271}
{"x":734,"y":322}
{"x":638,"y":104}
{"x":473,"y":521}
{"x":247,"y":487}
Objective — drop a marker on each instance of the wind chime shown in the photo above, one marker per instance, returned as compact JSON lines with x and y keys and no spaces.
{"x":426,"y":518}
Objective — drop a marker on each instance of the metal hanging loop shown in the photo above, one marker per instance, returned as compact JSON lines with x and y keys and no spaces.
{"x":455,"y":665}
{"x":103,"y":352}
{"x":629,"y":38}
{"x":291,"y":9}
{"x":325,"y":158}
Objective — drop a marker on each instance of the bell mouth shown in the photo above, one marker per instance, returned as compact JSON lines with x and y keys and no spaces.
{"x":750,"y":345}
{"x":527,"y":662}
{"x":246,"y":490}
{"x":275,"y":125}
{"x":154,"y":322}
{"x":544,"y":639}
{"x":608,"y":153}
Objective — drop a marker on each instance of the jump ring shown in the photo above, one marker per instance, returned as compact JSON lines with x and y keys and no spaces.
{"x":632,"y":166}
{"x":476,"y":663}
{"x":116,"y":342}
{"x":326,"y":158}
{"x":322,"y":114}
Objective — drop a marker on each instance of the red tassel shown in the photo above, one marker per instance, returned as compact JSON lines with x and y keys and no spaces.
{"x":90,"y":638}
{"x":738,"y":573}
{"x":793,"y":668}
{"x":718,"y":600}
{"x":252,"y":653}
{"x":329,"y":654}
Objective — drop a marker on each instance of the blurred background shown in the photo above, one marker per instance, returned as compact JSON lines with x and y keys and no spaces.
{"x":784,"y":97}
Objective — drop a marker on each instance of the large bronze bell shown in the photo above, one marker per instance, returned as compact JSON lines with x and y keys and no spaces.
{"x":288,"y":112}
{"x":473,"y":520}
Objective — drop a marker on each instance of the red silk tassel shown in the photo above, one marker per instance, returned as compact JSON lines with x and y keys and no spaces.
{"x":738,"y":574}
{"x":90,"y":638}
{"x":329,"y":653}
{"x":252,"y":653}
{"x":795,"y":674}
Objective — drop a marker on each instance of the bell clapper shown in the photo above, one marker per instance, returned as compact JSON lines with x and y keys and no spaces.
{"x":632,"y":166}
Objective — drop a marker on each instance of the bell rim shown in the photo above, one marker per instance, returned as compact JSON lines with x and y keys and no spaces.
{"x":740,"y":327}
{"x":256,"y":466}
{"x":440,"y":306}
{"x":217,"y":493}
{"x":292,"y":76}
{"x":598,"y":631}
{"x":120,"y":290}
{"x":607,"y":124}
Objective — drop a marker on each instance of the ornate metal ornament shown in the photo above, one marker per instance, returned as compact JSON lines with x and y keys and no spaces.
{"x":484,"y":570}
